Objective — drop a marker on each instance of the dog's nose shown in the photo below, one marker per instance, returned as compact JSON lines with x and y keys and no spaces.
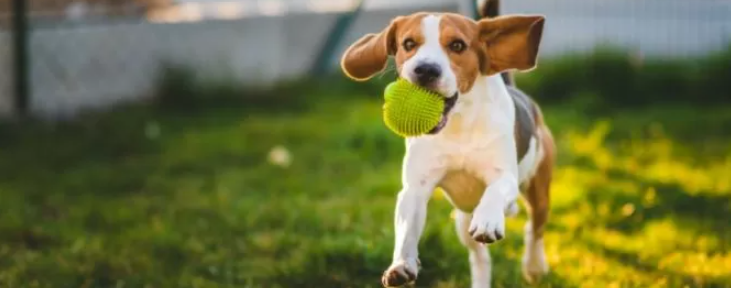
{"x":426,"y":73}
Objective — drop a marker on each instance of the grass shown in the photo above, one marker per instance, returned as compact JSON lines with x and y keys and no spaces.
{"x":195,"y":197}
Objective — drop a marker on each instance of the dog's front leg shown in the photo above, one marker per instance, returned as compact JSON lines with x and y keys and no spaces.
{"x":420,"y":177}
{"x":409,"y":223}
{"x":488,"y":219}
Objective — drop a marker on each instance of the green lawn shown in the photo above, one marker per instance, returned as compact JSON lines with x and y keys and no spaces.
{"x":146,"y":197}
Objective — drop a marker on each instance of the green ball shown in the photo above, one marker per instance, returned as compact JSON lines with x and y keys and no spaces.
{"x":411,"y":110}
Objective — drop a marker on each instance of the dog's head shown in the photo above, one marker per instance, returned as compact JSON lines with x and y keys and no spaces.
{"x":446,"y":52}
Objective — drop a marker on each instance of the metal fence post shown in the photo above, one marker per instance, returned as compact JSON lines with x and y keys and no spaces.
{"x":20,"y":56}
{"x":339,"y":30}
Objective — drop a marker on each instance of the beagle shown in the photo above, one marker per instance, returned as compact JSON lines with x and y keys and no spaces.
{"x":490,"y":146}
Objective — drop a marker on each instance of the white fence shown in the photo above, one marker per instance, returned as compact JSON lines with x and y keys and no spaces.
{"x":86,"y":66}
{"x":89,"y":67}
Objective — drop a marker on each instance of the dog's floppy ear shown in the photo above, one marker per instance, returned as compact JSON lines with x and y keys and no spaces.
{"x":511,"y":42}
{"x":369,"y":54}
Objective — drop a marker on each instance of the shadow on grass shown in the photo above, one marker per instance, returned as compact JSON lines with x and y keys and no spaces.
{"x":677,"y":279}
{"x":442,"y":266}
{"x":703,"y":210}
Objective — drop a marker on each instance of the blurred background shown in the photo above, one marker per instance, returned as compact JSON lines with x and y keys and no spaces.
{"x":201,"y":143}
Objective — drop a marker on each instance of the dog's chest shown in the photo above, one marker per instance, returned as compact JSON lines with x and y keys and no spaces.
{"x":477,"y":144}
{"x":463,"y":189}
{"x":467,"y":170}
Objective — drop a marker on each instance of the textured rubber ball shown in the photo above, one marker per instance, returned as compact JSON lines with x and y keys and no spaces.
{"x":411,"y":110}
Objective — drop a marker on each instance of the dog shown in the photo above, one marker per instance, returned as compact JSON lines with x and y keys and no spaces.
{"x":490,"y":146}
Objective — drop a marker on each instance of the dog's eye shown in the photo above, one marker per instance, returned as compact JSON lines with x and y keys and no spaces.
{"x":457,"y":46}
{"x":409,"y":44}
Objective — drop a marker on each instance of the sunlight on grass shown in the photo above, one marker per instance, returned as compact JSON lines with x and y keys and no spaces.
{"x":651,"y":160}
{"x":672,"y":248}
{"x":591,"y":144}
{"x":635,"y":168}
{"x":587,"y":268}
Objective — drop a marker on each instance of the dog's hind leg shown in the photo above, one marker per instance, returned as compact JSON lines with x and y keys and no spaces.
{"x":480,"y":262}
{"x":537,"y":196}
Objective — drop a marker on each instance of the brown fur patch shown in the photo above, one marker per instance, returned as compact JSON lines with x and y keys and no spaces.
{"x":512,"y":42}
{"x":409,"y":29}
{"x":466,"y":64}
{"x":369,"y":54}
{"x":538,"y":194}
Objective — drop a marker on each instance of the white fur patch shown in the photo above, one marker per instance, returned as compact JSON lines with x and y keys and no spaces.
{"x":534,"y":259}
{"x":479,"y":256}
{"x":431,"y":51}
{"x":529,"y":164}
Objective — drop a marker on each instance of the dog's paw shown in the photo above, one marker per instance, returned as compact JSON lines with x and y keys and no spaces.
{"x":400,"y":273}
{"x":488,"y":225}
{"x":534,"y":261}
{"x":534,"y":267}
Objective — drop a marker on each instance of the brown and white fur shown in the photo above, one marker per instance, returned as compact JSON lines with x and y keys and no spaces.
{"x":491,"y":146}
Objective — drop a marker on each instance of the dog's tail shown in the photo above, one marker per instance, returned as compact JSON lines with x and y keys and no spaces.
{"x":488,"y":8}
{"x":491,"y":9}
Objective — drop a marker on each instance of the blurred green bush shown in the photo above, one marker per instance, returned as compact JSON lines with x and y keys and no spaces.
{"x":615,"y":77}
{"x":606,"y":78}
